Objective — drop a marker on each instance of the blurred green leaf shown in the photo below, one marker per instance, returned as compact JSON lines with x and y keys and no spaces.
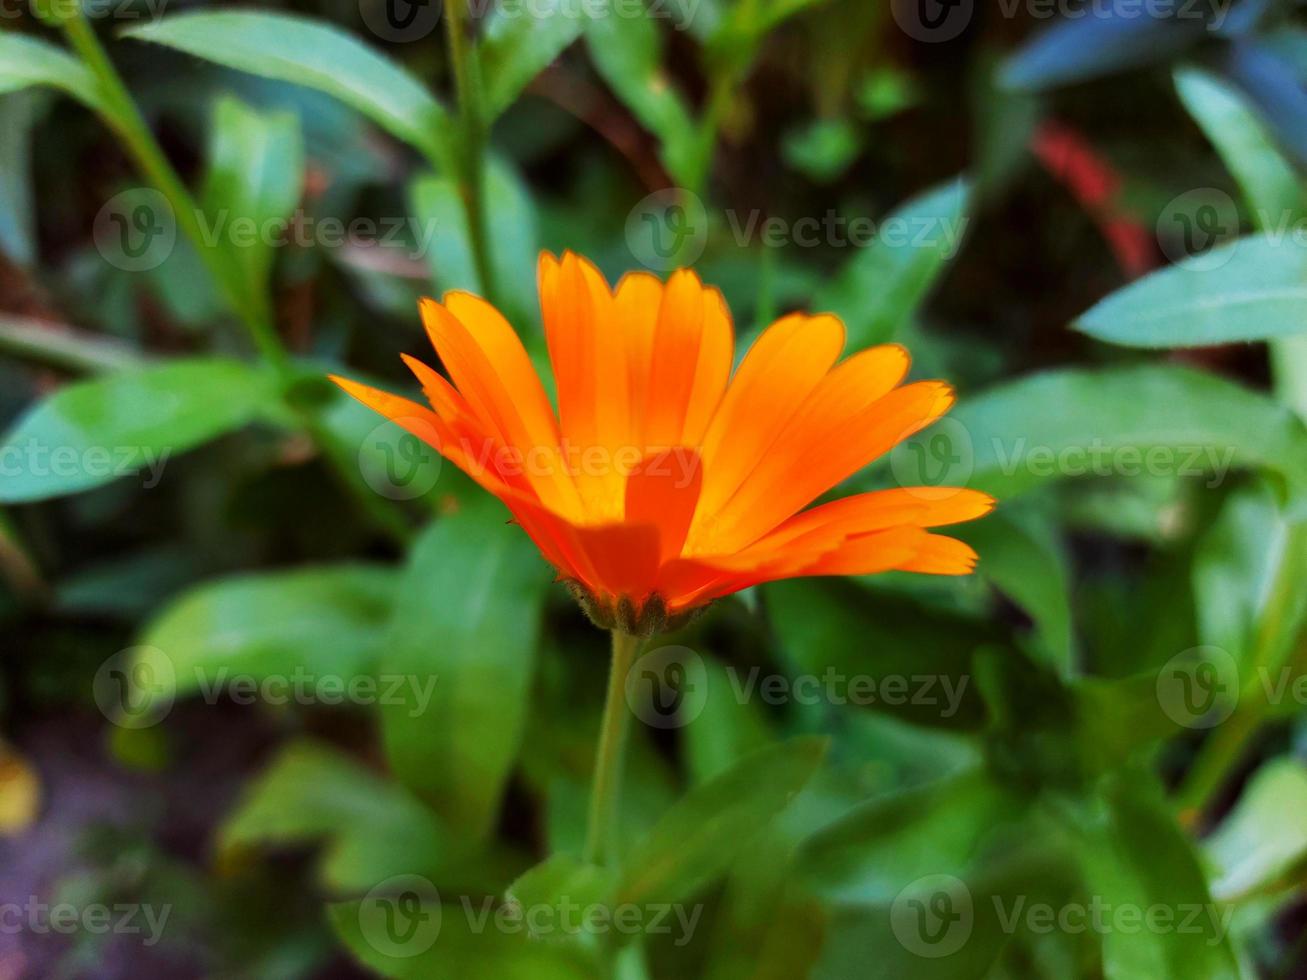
{"x":516,"y":45}
{"x":1269,"y":183}
{"x":318,"y":55}
{"x":560,"y":879}
{"x":255,"y":174}
{"x":467,"y":619}
{"x":1257,"y":845}
{"x":1270,"y":186}
{"x":728,"y":728}
{"x":875,"y":851}
{"x":90,"y":433}
{"x":628,"y":51}
{"x":1022,"y":556}
{"x":1136,"y":858}
{"x":511,"y":216}
{"x":824,"y":149}
{"x":325,"y":622}
{"x":1234,"y":571}
{"x":459,"y":949}
{"x":887,"y":653}
{"x":1250,"y":289}
{"x":879,"y":290}
{"x":18,"y":113}
{"x":370,"y":828}
{"x":1076,"y":49}
{"x":1126,"y":421}
{"x":27,"y":61}
{"x":696,"y":840}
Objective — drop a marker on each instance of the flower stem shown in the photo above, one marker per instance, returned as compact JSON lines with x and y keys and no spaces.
{"x":601,"y":835}
{"x":252,"y":307}
{"x":471,"y":179}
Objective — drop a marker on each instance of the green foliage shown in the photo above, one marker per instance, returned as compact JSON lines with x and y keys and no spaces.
{"x":1250,"y":289}
{"x":91,"y":433}
{"x":355,"y":696}
{"x":311,"y":53}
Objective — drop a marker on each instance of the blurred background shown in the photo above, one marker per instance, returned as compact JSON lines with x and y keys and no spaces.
{"x":275,"y":683}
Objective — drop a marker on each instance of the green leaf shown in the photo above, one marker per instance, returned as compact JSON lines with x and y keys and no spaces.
{"x":728,"y":728}
{"x":458,"y":946}
{"x":1269,"y":183}
{"x":891,"y":655}
{"x":316,"y":55}
{"x":697,"y":839}
{"x":511,"y":216}
{"x":879,"y":290}
{"x":1258,"y":844}
{"x":90,"y":433}
{"x":1024,"y":559}
{"x":516,"y":46}
{"x":1234,"y":570}
{"x":370,"y":828}
{"x":561,"y":878}
{"x":1254,"y":288}
{"x":255,"y":175}
{"x":27,"y":61}
{"x":824,"y":149}
{"x":468,"y":615}
{"x":18,"y":113}
{"x":1148,"y":420}
{"x":628,"y":51}
{"x":1134,"y":856}
{"x":876,"y":850}
{"x":325,"y":622}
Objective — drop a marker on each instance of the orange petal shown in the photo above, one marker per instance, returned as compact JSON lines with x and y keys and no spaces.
{"x":495,"y":376}
{"x":791,"y":481}
{"x":673,"y":360}
{"x":941,"y":555}
{"x":664,"y":490}
{"x":776,"y":377}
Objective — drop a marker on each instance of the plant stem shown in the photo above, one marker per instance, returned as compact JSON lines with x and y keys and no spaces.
{"x":126,"y":119}
{"x":471,"y":179}
{"x":252,"y":307}
{"x":606,"y":792}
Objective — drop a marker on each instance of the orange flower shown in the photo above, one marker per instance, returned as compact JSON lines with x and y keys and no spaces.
{"x":663,"y":483}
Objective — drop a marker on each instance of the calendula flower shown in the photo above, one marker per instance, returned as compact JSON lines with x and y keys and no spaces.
{"x":663,"y":482}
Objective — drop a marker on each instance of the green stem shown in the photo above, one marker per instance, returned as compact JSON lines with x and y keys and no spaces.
{"x":64,"y":347}
{"x":605,"y":795}
{"x":253,"y":308}
{"x":471,"y":179}
{"x":126,"y":119}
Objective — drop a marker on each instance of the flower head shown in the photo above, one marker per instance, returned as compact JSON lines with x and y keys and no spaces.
{"x":663,"y":482}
